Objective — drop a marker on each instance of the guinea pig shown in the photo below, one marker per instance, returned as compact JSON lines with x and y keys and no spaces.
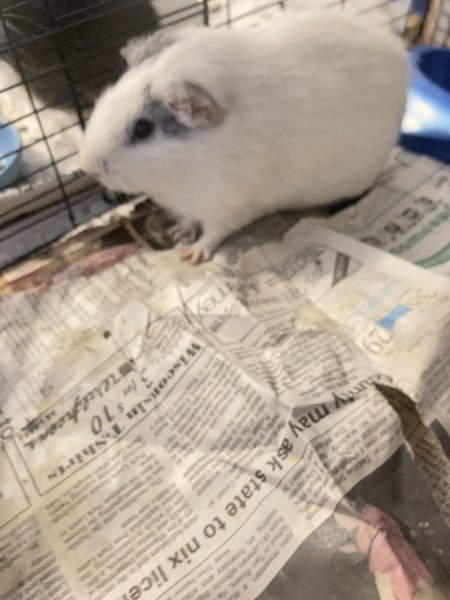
{"x":225,"y":126}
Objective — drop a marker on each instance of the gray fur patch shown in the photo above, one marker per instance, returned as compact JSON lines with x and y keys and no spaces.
{"x":166,"y":121}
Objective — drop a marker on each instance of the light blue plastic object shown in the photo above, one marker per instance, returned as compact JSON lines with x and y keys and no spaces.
{"x":426,"y":125}
{"x":10,"y":162}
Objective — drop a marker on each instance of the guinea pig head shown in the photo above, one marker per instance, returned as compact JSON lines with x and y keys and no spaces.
{"x":140,"y":130}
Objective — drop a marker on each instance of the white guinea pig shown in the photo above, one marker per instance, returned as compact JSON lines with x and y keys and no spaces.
{"x":223,"y":127}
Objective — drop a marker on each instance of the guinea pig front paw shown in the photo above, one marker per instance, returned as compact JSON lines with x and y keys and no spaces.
{"x":203,"y":249}
{"x":196,"y":253}
{"x":185,"y":232}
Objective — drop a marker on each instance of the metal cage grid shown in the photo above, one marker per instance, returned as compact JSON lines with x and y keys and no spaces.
{"x":70,"y":36}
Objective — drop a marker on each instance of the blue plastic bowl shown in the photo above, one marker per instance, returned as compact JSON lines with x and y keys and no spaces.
{"x":426,"y":125}
{"x":10,"y":160}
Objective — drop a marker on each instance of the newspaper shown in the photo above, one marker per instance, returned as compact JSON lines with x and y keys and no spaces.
{"x":407,"y":213}
{"x":270,"y":424}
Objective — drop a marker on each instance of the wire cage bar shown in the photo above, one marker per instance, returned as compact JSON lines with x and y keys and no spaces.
{"x":57,"y":55}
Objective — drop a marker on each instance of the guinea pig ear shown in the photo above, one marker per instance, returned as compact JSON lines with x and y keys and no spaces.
{"x":194,"y":106}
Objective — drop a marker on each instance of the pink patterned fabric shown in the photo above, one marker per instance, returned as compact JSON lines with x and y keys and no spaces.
{"x":380,"y":537}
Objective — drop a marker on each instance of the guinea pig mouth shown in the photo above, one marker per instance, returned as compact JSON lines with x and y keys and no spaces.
{"x":116,"y":184}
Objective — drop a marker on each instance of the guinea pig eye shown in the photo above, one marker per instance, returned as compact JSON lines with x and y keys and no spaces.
{"x":142,"y":129}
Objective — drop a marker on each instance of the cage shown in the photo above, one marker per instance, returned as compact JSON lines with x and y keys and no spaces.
{"x":55,"y":58}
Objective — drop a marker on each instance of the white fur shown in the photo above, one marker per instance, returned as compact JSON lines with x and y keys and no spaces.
{"x":313,"y":104}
